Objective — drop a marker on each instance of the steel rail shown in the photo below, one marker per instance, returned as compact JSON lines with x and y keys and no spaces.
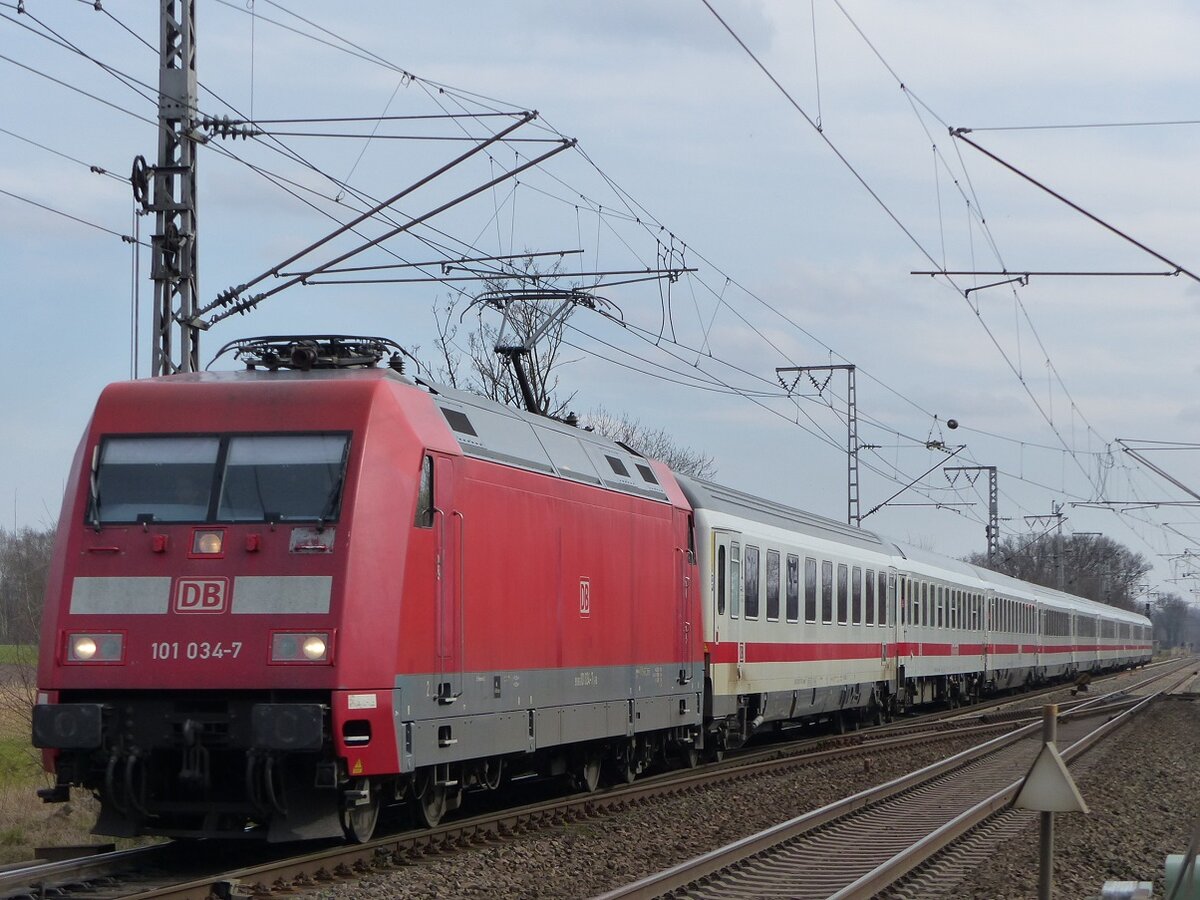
{"x":345,"y":861}
{"x":904,"y":862}
{"x":723,"y":858}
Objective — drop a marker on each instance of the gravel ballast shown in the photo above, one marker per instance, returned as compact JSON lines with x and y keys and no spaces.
{"x":1141,"y":785}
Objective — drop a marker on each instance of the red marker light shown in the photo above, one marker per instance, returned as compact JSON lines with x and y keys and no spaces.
{"x":159,"y":544}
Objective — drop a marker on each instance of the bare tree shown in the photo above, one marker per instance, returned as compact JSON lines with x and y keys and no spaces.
{"x":650,"y":441}
{"x":1176,"y":622}
{"x":24,"y":566}
{"x":479,"y":368}
{"x":1093,"y":566}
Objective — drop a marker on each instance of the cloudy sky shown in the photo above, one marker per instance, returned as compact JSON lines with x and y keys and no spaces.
{"x":803,"y":240}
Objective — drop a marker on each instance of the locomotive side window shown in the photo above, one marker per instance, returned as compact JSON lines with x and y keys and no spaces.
{"x":424,"y":517}
{"x":793,"y":588}
{"x":721,"y":580}
{"x":168,"y":479}
{"x":282,"y":478}
{"x":826,"y":591}
{"x":843,"y":593}
{"x":751,"y":598}
{"x":810,"y":589}
{"x":773,"y":585}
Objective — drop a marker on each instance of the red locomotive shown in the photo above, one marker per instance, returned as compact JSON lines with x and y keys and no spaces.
{"x":287,"y":597}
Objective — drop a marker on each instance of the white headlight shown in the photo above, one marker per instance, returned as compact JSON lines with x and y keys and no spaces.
{"x":95,"y":648}
{"x":314,"y":647}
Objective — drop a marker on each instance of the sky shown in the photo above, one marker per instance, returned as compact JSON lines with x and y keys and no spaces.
{"x":801,"y":213}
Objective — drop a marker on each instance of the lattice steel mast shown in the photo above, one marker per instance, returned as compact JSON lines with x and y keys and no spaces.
{"x":993,"y":525}
{"x":173,"y":199}
{"x":853,"y":515}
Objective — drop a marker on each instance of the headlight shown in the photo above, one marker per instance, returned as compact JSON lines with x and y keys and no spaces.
{"x":300,"y":647}
{"x":207,"y":543}
{"x":314,"y":646}
{"x":95,"y":648}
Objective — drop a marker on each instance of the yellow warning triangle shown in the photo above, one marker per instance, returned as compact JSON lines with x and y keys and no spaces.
{"x":1048,"y":786}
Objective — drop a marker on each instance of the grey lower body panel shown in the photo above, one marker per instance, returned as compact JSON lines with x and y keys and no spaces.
{"x":448,"y":719}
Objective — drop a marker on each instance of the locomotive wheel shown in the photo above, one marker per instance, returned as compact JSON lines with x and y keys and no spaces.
{"x":587,"y":776}
{"x":359,"y":822}
{"x":431,"y":805}
{"x":621,"y":768}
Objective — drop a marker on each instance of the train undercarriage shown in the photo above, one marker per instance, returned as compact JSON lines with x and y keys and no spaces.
{"x":263,"y":766}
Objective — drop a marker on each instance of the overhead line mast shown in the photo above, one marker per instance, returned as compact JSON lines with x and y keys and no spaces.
{"x":169,"y":190}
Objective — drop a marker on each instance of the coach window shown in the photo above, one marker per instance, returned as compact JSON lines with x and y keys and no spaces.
{"x":424,"y":517}
{"x":773,"y":585}
{"x":843,"y":593}
{"x":735,"y":581}
{"x":751,"y":598}
{"x":924,"y":617}
{"x":826,"y":591}
{"x":810,"y":589}
{"x":856,"y":595}
{"x":941,"y":606}
{"x":721,"y":580}
{"x":869,"y":585}
{"x":793,"y":588}
{"x":884,"y":581}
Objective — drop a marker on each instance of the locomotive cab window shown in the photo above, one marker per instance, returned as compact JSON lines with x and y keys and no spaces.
{"x":290,"y":477}
{"x":157,"y":479}
{"x":231,"y":478}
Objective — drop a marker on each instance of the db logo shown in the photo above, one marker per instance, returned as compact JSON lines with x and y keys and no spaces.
{"x":585,"y":597}
{"x":201,"y":595}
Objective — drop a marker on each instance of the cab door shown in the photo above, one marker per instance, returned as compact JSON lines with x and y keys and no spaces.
{"x":685,"y":567}
{"x":450,"y":529}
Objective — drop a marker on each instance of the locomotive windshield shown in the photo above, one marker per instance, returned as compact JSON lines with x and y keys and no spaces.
{"x":235,"y":478}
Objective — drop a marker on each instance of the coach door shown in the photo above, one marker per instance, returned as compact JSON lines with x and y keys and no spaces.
{"x":727,"y":593}
{"x":450,"y":525}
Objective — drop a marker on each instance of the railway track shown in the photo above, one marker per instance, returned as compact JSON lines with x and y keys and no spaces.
{"x":240,"y":870}
{"x":862,"y":844}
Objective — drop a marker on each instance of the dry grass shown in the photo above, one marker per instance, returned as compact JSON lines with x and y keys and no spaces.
{"x":25,"y":821}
